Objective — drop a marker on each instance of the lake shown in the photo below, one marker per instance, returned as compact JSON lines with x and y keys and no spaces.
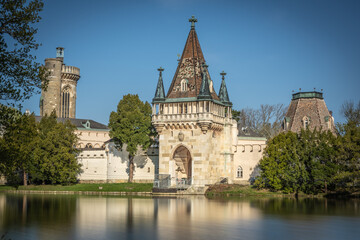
{"x":36,"y":216}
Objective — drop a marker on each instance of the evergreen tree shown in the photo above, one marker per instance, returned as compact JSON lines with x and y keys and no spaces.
{"x":131,"y":125}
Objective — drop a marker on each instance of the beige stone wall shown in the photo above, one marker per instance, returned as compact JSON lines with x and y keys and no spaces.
{"x":96,"y":138}
{"x":211,"y":153}
{"x":111,"y":165}
{"x":248,"y":153}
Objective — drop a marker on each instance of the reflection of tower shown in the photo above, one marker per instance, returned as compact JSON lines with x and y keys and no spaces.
{"x":60,"y":94}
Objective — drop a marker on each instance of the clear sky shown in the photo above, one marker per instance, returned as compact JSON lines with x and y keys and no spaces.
{"x":267,"y":48}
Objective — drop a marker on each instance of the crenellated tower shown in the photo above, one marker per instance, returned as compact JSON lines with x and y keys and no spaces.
{"x":60,"y":94}
{"x":195,"y":126}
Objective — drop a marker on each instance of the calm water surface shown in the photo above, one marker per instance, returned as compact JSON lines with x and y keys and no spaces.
{"x":107,"y":217}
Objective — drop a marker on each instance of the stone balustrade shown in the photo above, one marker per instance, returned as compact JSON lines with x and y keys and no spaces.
{"x":70,"y":69}
{"x":189,"y":117}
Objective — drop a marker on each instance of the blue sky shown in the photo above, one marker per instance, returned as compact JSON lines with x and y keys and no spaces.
{"x":267,"y":48}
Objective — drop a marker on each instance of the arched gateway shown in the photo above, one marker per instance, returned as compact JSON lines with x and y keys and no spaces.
{"x":183,"y":163}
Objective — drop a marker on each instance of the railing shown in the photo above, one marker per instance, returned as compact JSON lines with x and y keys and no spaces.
{"x":70,"y":69}
{"x":162,"y":181}
{"x":183,"y":183}
{"x":190,"y":117}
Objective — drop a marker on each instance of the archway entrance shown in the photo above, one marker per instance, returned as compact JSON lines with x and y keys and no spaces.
{"x":182,"y":159}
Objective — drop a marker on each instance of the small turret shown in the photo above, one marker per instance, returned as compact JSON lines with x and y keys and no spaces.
{"x":60,"y":52}
{"x":223,"y":93}
{"x":204,"y":93}
{"x":160,"y":93}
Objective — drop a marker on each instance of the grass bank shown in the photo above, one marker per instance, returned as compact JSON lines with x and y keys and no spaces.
{"x":88,"y":187}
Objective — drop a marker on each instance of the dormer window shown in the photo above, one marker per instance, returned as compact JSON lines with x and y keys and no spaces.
{"x":306,"y":122}
{"x":184,"y":84}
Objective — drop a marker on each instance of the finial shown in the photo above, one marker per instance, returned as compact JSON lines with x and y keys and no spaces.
{"x":300,"y":89}
{"x":160,"y":69}
{"x":223,"y":75}
{"x":314,"y":89}
{"x":193,"y":20}
{"x":322,"y":89}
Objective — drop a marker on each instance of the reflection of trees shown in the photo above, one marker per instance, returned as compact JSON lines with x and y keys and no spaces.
{"x":38,"y":209}
{"x":295,"y":208}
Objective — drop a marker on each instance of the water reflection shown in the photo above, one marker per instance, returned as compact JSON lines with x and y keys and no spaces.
{"x":101,"y":217}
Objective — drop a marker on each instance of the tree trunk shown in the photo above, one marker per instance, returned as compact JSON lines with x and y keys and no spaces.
{"x":131,"y":169}
{"x":25,"y":178}
{"x":325,"y":187}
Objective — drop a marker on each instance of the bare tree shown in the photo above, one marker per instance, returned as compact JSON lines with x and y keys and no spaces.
{"x":351,"y":111}
{"x":266,"y":120}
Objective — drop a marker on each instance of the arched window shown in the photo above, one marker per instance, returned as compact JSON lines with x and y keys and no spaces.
{"x":239,"y":173}
{"x":306,"y":122}
{"x":65,"y":103}
{"x":184,"y":85}
{"x":89,"y":146}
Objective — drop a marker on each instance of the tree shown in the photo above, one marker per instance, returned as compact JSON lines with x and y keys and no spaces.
{"x":20,"y":74}
{"x":55,"y":156}
{"x":17,"y":145}
{"x":351,"y":111}
{"x":266,"y":120}
{"x":305,"y":162}
{"x":131,"y":125}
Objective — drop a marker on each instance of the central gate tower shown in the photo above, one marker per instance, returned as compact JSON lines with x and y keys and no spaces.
{"x":197,"y":134}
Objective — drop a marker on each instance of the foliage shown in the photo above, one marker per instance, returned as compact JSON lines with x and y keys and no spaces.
{"x":266,"y":120}
{"x":43,"y":151}
{"x":131,"y":125}
{"x":17,"y":146}
{"x":304,"y":162}
{"x":20,"y":74}
{"x":55,"y":156}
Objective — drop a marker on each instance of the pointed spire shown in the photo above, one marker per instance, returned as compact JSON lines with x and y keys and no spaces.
{"x":160,"y":93}
{"x":223,"y":93}
{"x":204,"y":93}
{"x":189,"y":69}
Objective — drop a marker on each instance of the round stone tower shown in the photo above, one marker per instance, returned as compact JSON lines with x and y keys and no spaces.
{"x":60,"y":94}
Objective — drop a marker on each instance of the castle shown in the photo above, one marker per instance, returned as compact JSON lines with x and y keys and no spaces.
{"x":199,"y":143}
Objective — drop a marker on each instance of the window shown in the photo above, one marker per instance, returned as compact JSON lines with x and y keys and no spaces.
{"x":148,"y":169}
{"x":306,"y":122}
{"x":89,"y":146}
{"x":239,"y":173}
{"x":184,"y":84}
{"x":65,"y":103}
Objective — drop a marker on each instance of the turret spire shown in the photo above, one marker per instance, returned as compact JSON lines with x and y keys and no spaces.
{"x":204,"y":93}
{"x":223,"y":93}
{"x":160,"y":93}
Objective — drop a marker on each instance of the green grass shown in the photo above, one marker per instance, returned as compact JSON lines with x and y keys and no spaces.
{"x":94,"y":187}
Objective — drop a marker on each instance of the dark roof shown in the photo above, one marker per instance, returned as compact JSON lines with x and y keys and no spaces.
{"x":80,"y":123}
{"x":247,"y":132}
{"x":190,"y":68}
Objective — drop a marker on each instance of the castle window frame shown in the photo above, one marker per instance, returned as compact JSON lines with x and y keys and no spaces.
{"x":89,"y":146}
{"x":184,"y":85}
{"x":306,"y":122}
{"x":239,"y":172}
{"x":65,"y":102}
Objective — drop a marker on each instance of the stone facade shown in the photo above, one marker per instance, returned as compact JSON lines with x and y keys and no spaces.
{"x":198,"y":139}
{"x":60,"y":94}
{"x":308,"y":110}
{"x":111,"y":164}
